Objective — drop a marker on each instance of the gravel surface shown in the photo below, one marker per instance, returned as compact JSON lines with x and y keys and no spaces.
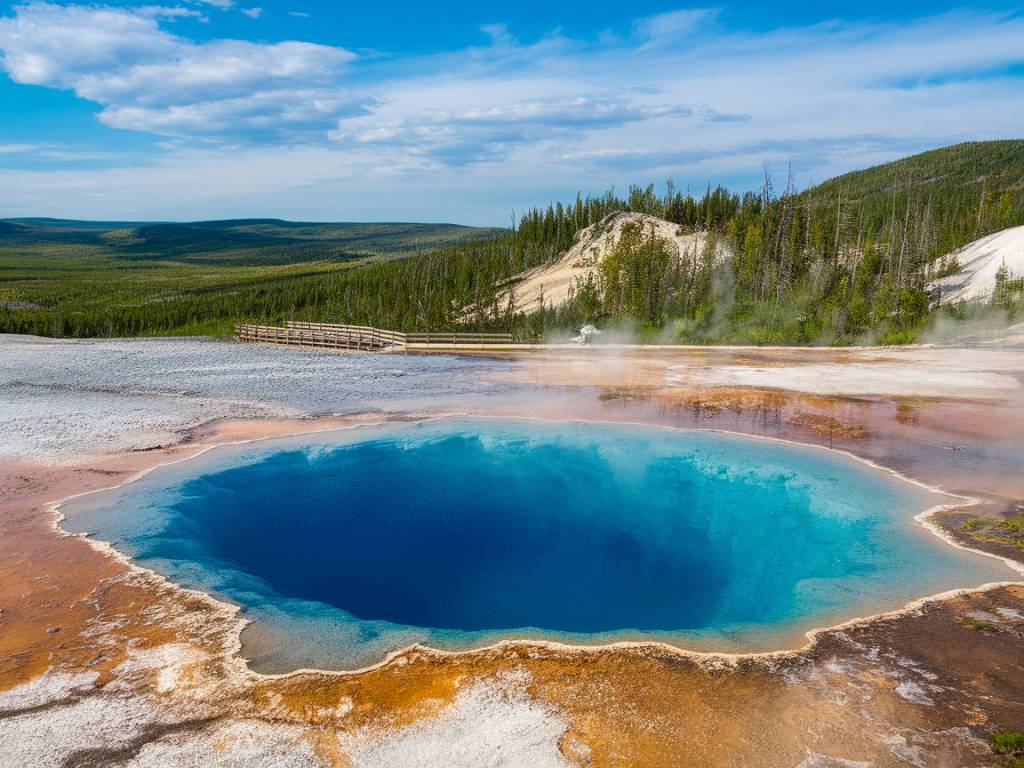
{"x":60,"y":398}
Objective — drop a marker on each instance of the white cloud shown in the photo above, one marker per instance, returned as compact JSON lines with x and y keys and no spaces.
{"x":228,"y":69}
{"x":253,"y":13}
{"x":16,"y":149}
{"x":149,"y":79}
{"x":491,"y":129}
{"x":672,"y":27}
{"x":168,"y":12}
{"x":53,"y":45}
{"x":269,"y":115}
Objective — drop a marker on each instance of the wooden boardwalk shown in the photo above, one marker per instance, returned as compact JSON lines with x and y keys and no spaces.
{"x":362,"y":338}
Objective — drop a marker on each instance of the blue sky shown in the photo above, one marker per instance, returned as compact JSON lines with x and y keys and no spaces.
{"x":406,"y":111}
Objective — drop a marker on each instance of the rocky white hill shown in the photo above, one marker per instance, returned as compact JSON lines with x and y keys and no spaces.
{"x":979,"y":261}
{"x":553,"y":282}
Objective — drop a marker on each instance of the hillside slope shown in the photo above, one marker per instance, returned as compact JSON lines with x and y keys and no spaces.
{"x":552,"y":284}
{"x":999,"y":164}
{"x":979,"y":262}
{"x":946,"y":197}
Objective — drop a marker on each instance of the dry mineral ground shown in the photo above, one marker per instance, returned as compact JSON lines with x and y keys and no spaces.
{"x":105,"y":664}
{"x":552,"y":284}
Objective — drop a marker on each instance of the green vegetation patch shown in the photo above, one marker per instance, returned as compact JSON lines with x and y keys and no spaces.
{"x":1008,"y":747}
{"x":999,"y":531}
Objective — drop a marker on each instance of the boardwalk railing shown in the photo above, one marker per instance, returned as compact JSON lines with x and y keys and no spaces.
{"x":364,"y":339}
{"x":398,"y":338}
{"x":447,"y":337}
{"x":361,"y":337}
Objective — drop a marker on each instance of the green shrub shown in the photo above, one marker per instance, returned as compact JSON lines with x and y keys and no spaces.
{"x":1014,"y":524}
{"x":1009,"y":748}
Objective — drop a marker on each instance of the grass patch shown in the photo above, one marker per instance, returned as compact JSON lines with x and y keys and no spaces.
{"x":1009,"y":531}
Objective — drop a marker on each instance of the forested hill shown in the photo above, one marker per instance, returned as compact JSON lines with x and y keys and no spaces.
{"x":957,"y":194}
{"x":984,"y":164}
{"x":846,"y":261}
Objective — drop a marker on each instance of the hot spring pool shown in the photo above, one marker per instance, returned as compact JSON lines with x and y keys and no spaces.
{"x":457,"y":533}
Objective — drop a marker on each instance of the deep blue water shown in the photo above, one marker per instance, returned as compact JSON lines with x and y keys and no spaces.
{"x":459,"y":532}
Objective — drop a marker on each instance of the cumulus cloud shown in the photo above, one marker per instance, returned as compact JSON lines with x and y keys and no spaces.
{"x":266,"y":114}
{"x":149,"y":79}
{"x":52,"y":45}
{"x":253,"y":13}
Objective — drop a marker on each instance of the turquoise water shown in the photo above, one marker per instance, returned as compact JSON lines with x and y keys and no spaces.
{"x":459,"y":533}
